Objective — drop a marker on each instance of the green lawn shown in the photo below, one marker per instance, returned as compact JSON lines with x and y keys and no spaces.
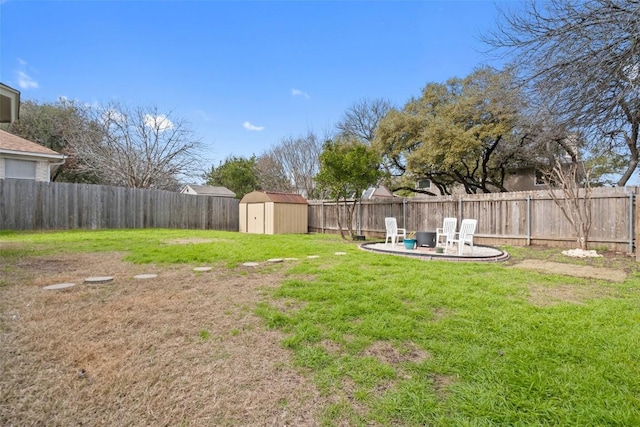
{"x":400,"y":341}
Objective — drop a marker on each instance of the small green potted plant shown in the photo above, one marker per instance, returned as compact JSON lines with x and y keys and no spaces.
{"x":410,"y":240}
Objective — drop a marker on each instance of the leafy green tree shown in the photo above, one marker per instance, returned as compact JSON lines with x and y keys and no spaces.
{"x":238,"y":174}
{"x":463,"y":132}
{"x":347,"y":168}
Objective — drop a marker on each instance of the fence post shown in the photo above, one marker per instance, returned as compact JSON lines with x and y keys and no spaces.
{"x":631,"y":223}
{"x":359,"y":219}
{"x":322,"y":216}
{"x":529,"y":220}
{"x":637,"y":227}
{"x":404,"y":213}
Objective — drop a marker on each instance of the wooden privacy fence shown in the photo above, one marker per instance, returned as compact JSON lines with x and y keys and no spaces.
{"x":31,"y":205}
{"x":519,"y":219}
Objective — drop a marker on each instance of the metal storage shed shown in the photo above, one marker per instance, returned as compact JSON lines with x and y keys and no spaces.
{"x":266,"y":212}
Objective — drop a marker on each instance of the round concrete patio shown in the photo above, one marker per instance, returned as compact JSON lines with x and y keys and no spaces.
{"x":480,"y":253}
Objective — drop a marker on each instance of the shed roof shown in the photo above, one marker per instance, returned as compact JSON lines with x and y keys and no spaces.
{"x":13,"y":144}
{"x":271,"y":196}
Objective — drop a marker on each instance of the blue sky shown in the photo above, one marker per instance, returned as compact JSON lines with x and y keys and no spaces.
{"x":244,"y":74}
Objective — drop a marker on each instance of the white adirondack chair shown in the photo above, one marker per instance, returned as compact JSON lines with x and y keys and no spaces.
{"x":393,"y":232}
{"x":465,"y":235}
{"x":447,"y":232}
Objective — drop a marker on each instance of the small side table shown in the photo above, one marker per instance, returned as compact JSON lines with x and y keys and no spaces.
{"x":426,"y":239}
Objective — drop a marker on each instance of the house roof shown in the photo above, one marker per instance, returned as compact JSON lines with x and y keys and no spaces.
{"x":210,"y":190}
{"x":379,"y":191}
{"x":13,"y":144}
{"x":271,"y":196}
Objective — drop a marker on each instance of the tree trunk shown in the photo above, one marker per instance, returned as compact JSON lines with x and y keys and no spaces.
{"x":338,"y":217}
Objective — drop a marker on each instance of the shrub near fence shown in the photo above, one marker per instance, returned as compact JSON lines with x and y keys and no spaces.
{"x":520,"y":218}
{"x":31,"y":205}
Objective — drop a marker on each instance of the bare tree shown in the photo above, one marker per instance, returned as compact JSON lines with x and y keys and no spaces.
{"x":140,"y":148}
{"x":361,"y":120}
{"x":575,"y":202}
{"x":299,"y":159}
{"x":582,"y":58}
{"x":271,"y":174}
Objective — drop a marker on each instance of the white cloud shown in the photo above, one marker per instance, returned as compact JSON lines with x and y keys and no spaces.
{"x":249,"y":126}
{"x":298,"y":92}
{"x":25,"y":81}
{"x":161,"y":122}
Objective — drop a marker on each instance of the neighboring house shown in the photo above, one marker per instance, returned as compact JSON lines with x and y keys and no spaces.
{"x":377,"y":192}
{"x":9,"y":104}
{"x":207,"y":190}
{"x":23,"y":159}
{"x":524,"y":179}
{"x":530,"y":178}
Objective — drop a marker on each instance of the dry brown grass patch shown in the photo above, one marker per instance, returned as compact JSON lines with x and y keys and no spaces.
{"x":182,"y":348}
{"x":331,"y":347}
{"x":587,"y":271}
{"x":441,"y":313}
{"x":543,"y":296}
{"x":194,"y":241}
{"x":441,"y":384}
{"x":387,"y":353}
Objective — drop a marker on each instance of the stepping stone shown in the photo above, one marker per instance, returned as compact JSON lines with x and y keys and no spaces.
{"x":59,"y":286}
{"x":340,"y":253}
{"x":98,"y":280}
{"x":291,"y":259}
{"x":251,"y":264}
{"x":145,"y":276}
{"x":202,"y":269}
{"x":313,"y":256}
{"x":275,"y":260}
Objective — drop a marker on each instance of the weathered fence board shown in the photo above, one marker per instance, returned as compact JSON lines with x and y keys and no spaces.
{"x":30,"y":205}
{"x":503,"y":218}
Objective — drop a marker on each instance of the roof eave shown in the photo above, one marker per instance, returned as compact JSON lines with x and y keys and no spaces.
{"x":32,"y":154}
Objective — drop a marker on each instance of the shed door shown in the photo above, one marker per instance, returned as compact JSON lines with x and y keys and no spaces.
{"x":255,"y":218}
